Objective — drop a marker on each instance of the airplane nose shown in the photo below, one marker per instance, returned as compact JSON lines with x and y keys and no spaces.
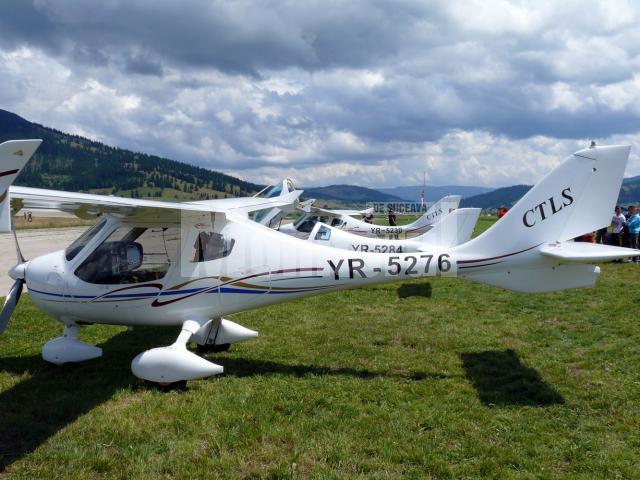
{"x":17,"y":272}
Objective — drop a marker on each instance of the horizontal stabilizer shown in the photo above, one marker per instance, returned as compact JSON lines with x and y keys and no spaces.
{"x":586,"y":252}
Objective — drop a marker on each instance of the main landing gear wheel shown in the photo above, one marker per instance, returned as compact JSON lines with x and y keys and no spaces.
{"x":179,"y":386}
{"x":213,"y":348}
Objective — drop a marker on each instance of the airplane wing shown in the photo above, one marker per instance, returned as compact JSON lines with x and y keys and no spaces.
{"x":354,"y":213}
{"x":337,"y":213}
{"x":250,"y":204}
{"x":14,"y":154}
{"x":86,"y":205}
{"x":306,"y":205}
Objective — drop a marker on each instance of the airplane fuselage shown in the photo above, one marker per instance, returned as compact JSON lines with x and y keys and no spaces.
{"x":263,"y":267}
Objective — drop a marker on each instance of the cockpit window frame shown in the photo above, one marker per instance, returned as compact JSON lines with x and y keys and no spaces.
{"x":86,"y":238}
{"x":135,"y":230}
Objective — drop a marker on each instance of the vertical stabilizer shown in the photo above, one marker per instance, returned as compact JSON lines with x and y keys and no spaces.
{"x":14,"y":155}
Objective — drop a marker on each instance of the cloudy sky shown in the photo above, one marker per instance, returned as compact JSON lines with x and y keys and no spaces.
{"x":373,"y":93}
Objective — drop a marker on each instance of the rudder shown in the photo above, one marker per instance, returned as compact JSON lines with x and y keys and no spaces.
{"x":14,"y":155}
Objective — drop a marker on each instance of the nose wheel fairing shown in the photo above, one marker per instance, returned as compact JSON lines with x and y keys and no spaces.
{"x":68,"y":349}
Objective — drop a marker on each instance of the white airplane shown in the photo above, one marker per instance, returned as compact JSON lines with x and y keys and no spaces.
{"x":189,"y":265}
{"x":343,"y":219}
{"x":452,"y":230}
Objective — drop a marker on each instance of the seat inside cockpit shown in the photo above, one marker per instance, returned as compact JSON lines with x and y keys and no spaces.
{"x":131,"y":255}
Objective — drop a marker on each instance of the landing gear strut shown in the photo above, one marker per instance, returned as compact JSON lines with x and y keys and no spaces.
{"x":68,"y":349}
{"x":174,"y":364}
{"x":217,"y":335}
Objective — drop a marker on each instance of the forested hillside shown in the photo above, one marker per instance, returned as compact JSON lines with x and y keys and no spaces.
{"x":70,"y":162}
{"x":507,"y":196}
{"x":499,"y":197}
{"x":349,"y":194}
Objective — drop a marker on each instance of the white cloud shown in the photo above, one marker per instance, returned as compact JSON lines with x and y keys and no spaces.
{"x":373,"y":93}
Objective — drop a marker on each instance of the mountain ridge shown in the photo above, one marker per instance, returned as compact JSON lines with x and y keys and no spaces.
{"x":433,"y":193}
{"x":349,"y":194}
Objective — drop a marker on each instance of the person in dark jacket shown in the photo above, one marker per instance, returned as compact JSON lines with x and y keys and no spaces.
{"x":392,"y":216}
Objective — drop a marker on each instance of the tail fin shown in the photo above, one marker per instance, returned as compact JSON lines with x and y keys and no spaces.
{"x":453,"y":230}
{"x":14,"y":155}
{"x":576,"y":197}
{"x":442,"y":207}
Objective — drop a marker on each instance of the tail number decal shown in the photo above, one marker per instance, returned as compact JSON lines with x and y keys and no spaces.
{"x":378,"y":248}
{"x":385,"y":230}
{"x":419,"y":265}
{"x":396,"y":266}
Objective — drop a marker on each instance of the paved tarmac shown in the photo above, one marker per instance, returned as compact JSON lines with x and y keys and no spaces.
{"x":32,"y":243}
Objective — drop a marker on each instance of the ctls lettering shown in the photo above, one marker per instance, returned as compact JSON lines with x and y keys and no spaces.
{"x":552,"y":205}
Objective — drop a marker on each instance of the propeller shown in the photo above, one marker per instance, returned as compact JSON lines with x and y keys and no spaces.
{"x":17,"y":273}
{"x":10,"y":303}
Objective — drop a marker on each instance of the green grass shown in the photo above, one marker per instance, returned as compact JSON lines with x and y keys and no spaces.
{"x":433,"y":378}
{"x":482,"y":224}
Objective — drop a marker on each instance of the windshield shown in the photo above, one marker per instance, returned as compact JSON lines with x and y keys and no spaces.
{"x":300,"y":220}
{"x":306,"y":223}
{"x":273,"y":191}
{"x":79,"y":243}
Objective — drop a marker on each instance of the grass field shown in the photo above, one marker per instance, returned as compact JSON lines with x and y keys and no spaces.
{"x":432,"y":378}
{"x":50,"y":222}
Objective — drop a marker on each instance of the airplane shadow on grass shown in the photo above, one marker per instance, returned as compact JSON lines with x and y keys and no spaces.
{"x":52,"y":397}
{"x":242,"y":367}
{"x":422,"y":289}
{"x":501,"y":379}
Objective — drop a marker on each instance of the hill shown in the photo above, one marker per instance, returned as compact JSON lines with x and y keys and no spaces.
{"x":70,"y":162}
{"x":349,"y":194}
{"x":506,"y":196}
{"x":629,"y":194}
{"x":433,"y":193}
{"x":630,"y":191}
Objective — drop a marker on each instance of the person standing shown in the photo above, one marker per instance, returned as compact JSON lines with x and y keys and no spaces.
{"x":392,"y":217}
{"x":617,"y":222}
{"x":601,"y":236}
{"x":633,"y":227}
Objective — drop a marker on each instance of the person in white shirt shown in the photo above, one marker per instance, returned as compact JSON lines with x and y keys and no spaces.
{"x":617,"y":222}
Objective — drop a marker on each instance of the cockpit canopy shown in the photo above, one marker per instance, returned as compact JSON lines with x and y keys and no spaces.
{"x":131,"y":255}
{"x":284,"y":187}
{"x":138,"y":254}
{"x":272,"y":191}
{"x":306,"y":222}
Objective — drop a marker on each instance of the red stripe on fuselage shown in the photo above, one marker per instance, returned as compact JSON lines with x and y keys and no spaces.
{"x":9,"y":172}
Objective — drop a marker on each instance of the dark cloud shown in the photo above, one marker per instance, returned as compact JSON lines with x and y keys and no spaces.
{"x":274,"y":85}
{"x":234,"y":37}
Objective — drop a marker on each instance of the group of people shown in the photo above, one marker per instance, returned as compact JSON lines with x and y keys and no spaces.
{"x":625,"y":230}
{"x":391,"y":214}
